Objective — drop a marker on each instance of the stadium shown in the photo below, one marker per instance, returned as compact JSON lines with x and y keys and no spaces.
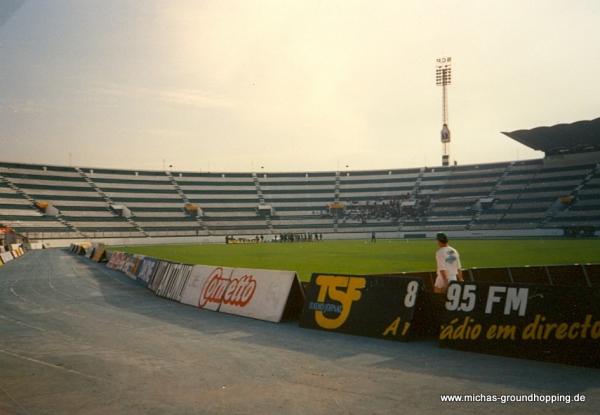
{"x":545,"y":211}
{"x":557,"y":195}
{"x":444,"y":288}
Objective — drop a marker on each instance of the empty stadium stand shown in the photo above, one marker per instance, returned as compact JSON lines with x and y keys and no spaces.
{"x":528,"y":194}
{"x":560,"y":191}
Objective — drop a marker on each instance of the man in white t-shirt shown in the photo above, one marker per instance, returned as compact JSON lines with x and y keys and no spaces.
{"x":448,"y":264}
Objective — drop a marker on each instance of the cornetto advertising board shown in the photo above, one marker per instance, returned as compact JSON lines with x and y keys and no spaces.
{"x":260,"y":294}
{"x":560,"y":324}
{"x":375,"y":306}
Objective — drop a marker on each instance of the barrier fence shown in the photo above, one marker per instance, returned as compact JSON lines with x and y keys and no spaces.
{"x":544,"y":312}
{"x":560,"y":324}
{"x":15,"y":252}
{"x":376,"y":306}
{"x":256,"y":293}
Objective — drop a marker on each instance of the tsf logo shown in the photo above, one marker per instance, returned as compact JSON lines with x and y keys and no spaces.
{"x":218,"y":289}
{"x":342,"y":290}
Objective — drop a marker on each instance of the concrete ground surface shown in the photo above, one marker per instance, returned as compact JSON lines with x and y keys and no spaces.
{"x":78,"y":338}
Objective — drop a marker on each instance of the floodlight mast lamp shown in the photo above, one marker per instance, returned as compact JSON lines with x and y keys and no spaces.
{"x":443,"y":78}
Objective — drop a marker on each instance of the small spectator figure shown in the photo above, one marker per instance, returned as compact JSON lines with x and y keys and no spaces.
{"x":448,"y":263}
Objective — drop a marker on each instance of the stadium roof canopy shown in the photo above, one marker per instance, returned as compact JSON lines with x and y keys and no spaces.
{"x":580,"y":136}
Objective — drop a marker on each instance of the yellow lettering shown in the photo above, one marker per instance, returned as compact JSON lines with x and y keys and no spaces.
{"x":595,"y":330}
{"x":406,"y":327}
{"x":548,"y":329}
{"x":506,"y":332}
{"x":561,"y":331}
{"x":465,"y":330}
{"x":531,"y":328}
{"x":331,"y":286}
{"x":475,"y":332}
{"x":392,"y":328}
{"x":462,"y":329}
{"x":540,"y":329}
{"x":572,"y":332}
{"x":446,"y":331}
{"x":586,"y":325}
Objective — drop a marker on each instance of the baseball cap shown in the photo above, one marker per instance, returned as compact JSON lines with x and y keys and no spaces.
{"x":442,"y":237}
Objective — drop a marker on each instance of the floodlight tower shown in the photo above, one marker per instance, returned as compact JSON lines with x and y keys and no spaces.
{"x":443,"y":78}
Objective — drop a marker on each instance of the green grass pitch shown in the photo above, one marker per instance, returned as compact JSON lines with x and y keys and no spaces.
{"x":364,"y":257}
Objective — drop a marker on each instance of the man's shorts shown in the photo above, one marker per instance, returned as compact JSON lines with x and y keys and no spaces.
{"x":441,"y":282}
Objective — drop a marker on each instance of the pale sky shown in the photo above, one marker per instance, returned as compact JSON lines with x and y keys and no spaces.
{"x":289,"y":85}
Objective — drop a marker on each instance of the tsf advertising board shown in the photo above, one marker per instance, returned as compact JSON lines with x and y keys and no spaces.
{"x":560,"y":324}
{"x":375,"y":306}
